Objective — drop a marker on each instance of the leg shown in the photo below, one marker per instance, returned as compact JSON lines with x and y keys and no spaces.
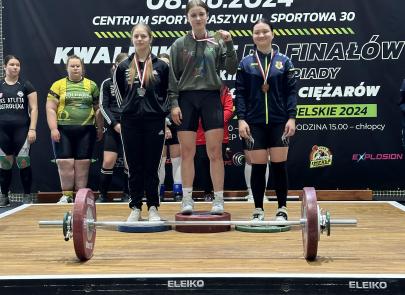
{"x":187,"y":143}
{"x":81,"y":172}
{"x":153,"y":146}
{"x":162,"y":173}
{"x":278,"y":157}
{"x":6,"y":163}
{"x":67,"y":179}
{"x":106,"y":175}
{"x":248,"y":175}
{"x":132,"y":136}
{"x":176,"y":170}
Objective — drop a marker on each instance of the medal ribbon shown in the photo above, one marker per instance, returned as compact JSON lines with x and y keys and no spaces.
{"x":265,"y":75}
{"x":211,"y":40}
{"x":138,"y":69}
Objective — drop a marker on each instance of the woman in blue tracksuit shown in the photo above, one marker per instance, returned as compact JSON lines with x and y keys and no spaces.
{"x":266,"y":108}
{"x":141,"y":81}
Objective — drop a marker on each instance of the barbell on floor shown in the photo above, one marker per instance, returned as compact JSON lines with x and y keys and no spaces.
{"x":81,"y":224}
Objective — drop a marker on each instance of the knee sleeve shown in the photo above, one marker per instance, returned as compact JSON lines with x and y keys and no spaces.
{"x":5,"y":163}
{"x":23,"y":161}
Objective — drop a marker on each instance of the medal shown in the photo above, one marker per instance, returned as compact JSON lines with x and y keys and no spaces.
{"x":208,"y":39}
{"x":141,"y":91}
{"x":265,"y":74}
{"x":265,"y":87}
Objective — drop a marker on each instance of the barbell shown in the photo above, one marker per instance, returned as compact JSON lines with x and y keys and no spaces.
{"x":81,"y":224}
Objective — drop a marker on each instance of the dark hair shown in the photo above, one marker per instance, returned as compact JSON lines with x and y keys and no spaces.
{"x":263,"y":20}
{"x":10,"y":56}
{"x":194,"y":3}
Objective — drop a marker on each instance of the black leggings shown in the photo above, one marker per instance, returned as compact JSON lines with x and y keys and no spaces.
{"x":76,"y":142}
{"x":143,"y":141}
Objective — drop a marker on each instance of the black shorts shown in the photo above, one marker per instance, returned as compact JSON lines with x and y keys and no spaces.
{"x":204,"y":104}
{"x":174,"y":140}
{"x":112,"y":141}
{"x":12,"y":138}
{"x":266,"y":136}
{"x":76,"y":142}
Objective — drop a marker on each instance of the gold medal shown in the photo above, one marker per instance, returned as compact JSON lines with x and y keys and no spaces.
{"x":265,"y":87}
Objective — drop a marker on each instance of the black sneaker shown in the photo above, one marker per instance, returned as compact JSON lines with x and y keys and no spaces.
{"x":4,"y":201}
{"x":102,"y":199}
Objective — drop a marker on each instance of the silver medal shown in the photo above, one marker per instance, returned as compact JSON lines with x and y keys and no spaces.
{"x":141,"y":91}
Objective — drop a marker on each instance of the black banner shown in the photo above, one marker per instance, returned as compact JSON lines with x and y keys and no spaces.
{"x":349,"y":57}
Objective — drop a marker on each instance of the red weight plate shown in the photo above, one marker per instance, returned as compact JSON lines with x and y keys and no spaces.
{"x":310,"y":230}
{"x":203,"y":216}
{"x":84,"y":236}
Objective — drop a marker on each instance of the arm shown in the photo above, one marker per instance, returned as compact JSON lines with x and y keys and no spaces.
{"x":33,"y":104}
{"x":173,"y":90}
{"x":51,"y":118}
{"x":97,"y":113}
{"x":290,"y":82}
{"x":240,"y":102}
{"x":104,"y":102}
{"x":228,"y":60}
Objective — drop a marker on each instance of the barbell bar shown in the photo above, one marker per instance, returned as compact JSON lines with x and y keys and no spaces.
{"x":81,"y":224}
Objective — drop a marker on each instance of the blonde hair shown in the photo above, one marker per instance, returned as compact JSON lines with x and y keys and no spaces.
{"x":74,"y":56}
{"x":148,"y":67}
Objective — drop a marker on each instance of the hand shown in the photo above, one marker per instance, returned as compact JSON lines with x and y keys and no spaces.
{"x":244,"y":130}
{"x":176,"y":115}
{"x":31,"y":136}
{"x":100,"y":133}
{"x":168,"y":133}
{"x":289,"y":129}
{"x":117,"y":128}
{"x":225,"y":35}
{"x":55,"y":135}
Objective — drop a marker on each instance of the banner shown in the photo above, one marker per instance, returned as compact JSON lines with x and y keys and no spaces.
{"x":349,"y":56}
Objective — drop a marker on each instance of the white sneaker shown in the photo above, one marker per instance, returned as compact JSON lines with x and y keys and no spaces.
{"x":217,"y":206}
{"x":258,"y":214}
{"x":135,"y":215}
{"x":65,"y":200}
{"x":249,"y":198}
{"x":282,"y":214}
{"x":153,"y":214}
{"x":187,"y":206}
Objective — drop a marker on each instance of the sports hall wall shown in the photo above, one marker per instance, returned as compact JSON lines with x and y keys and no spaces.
{"x":349,"y":57}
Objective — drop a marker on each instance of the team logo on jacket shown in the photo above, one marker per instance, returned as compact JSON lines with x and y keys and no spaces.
{"x":320,"y":156}
{"x":279,"y":65}
{"x":20,"y":93}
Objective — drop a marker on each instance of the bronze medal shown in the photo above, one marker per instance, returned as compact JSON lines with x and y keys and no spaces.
{"x":265,"y":87}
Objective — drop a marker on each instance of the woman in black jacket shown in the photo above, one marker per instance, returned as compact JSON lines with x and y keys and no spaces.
{"x":141,"y":82}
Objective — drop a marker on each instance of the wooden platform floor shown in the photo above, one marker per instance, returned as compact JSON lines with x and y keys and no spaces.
{"x":375,"y":246}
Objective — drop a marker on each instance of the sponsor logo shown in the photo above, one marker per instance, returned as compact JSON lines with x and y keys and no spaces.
{"x":320,"y":157}
{"x":377,"y":157}
{"x":367,"y":285}
{"x":238,"y":159}
{"x":187,"y":284}
{"x":20,"y":93}
{"x":279,"y":65}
